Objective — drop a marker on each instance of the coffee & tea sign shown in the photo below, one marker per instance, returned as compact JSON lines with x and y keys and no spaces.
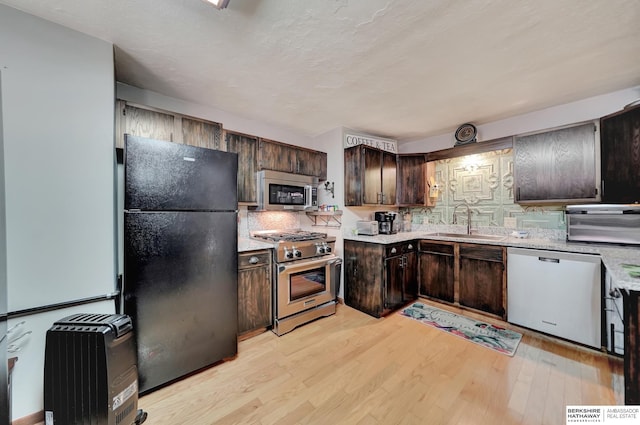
{"x":354,"y":139}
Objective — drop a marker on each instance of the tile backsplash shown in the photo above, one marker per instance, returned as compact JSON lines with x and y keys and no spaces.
{"x":485,"y":182}
{"x":249,"y":221}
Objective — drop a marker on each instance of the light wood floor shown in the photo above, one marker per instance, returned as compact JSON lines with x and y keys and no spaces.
{"x":353,"y":369}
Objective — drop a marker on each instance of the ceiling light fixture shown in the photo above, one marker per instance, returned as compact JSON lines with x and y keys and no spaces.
{"x":219,"y":4}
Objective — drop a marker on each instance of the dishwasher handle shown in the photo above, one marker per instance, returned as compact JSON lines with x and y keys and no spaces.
{"x":549,"y":260}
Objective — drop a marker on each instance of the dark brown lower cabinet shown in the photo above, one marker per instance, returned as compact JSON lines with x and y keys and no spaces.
{"x":254,"y":291}
{"x":379,"y":278}
{"x":482,"y":278}
{"x":400,"y":285}
{"x":436,"y":270}
{"x":465,"y":275}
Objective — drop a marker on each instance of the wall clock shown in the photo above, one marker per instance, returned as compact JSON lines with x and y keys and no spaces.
{"x":466,"y":133}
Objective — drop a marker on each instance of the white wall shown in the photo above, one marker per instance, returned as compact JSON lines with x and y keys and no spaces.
{"x":570,"y":113}
{"x":58,"y":118}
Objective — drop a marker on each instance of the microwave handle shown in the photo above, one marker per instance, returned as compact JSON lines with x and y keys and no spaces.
{"x":308,"y":197}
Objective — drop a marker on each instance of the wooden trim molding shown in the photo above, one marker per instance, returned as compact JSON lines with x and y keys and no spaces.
{"x":471,"y":149}
{"x":32,"y":419}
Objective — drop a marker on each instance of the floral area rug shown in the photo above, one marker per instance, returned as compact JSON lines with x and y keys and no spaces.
{"x":485,"y":334}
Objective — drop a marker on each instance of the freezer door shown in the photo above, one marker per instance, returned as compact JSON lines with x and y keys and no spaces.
{"x":181,"y":291}
{"x":166,"y":176}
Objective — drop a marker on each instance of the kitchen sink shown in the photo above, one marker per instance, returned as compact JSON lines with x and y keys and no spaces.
{"x":471,"y":236}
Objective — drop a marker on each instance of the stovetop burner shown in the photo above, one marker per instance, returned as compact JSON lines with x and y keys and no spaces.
{"x":289,"y":235}
{"x":297,"y":244}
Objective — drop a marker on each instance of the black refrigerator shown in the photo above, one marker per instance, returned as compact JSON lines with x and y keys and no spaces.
{"x":180,"y":282}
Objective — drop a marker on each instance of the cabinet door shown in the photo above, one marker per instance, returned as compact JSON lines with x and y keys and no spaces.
{"x":371,"y":179}
{"x":482,"y":277}
{"x":143,"y":122}
{"x":558,"y":165}
{"x":394,"y":282}
{"x":246,"y":148}
{"x":276,"y":156}
{"x":363,"y":276}
{"x":353,"y":175}
{"x":311,"y":163}
{"x":411,"y":180}
{"x":410,"y":288}
{"x":204,"y":134}
{"x":436,"y":277}
{"x":254,"y":299}
{"x":620,"y":155}
{"x":369,"y":176}
{"x":321,"y":165}
{"x":388,"y":173}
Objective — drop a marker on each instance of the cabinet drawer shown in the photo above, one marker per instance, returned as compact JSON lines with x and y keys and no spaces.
{"x":436,"y":248}
{"x":399,"y":249}
{"x":482,"y":252}
{"x":254,"y":259}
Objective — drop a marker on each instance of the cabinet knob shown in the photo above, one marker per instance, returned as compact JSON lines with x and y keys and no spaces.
{"x":410,"y":246}
{"x":393,"y":250}
{"x":253,"y":260}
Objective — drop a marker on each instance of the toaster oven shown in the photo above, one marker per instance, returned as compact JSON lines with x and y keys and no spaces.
{"x":365,"y":227}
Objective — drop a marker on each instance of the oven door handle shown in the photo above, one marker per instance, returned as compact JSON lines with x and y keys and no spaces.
{"x":305,"y":264}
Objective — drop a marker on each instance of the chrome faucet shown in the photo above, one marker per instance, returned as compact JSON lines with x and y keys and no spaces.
{"x":455,"y":218}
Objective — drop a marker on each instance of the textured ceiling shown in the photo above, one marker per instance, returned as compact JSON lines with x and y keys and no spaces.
{"x":404,"y":69}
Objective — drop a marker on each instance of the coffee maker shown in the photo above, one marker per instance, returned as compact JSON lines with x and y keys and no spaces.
{"x":387,"y":222}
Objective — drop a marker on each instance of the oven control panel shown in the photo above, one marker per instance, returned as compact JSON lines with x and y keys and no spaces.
{"x":298,"y":250}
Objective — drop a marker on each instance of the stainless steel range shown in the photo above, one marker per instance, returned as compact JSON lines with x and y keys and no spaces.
{"x":307,"y":276}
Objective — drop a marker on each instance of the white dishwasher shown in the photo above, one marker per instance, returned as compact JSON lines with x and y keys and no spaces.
{"x":558,"y":293}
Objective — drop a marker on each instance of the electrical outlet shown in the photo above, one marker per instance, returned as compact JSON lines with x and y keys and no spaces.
{"x":510,"y":222}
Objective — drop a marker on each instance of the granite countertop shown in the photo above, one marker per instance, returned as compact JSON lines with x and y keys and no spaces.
{"x":248,"y":244}
{"x":613,"y":257}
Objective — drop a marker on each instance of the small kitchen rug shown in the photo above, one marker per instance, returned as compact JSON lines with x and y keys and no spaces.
{"x":485,"y":334}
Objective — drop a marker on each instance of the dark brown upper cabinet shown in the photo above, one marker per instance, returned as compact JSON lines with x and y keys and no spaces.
{"x":620,"y":155}
{"x":144,"y":123}
{"x":557,"y":166}
{"x":286,"y":158}
{"x":369,"y":176}
{"x":163,"y":125}
{"x":411,"y":180}
{"x":201,"y":133}
{"x":246,"y":147}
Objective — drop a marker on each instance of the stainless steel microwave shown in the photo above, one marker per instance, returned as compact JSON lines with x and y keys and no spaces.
{"x":286,"y":192}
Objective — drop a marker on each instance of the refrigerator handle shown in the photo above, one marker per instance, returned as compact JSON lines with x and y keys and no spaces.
{"x":120,"y":298}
